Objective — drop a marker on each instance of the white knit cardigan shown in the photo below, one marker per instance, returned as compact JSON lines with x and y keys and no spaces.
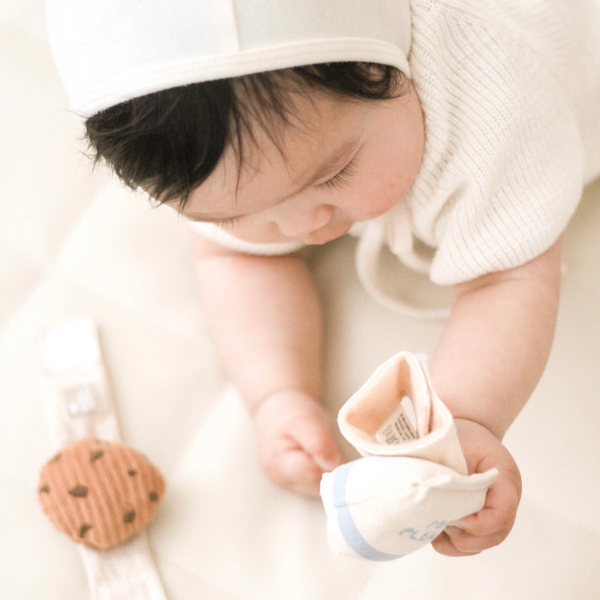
{"x":511,"y":96}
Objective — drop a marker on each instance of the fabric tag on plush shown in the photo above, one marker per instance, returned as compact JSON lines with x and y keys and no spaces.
{"x":399,"y":427}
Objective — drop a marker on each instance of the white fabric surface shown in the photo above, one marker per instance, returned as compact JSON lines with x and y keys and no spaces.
{"x":384,"y":508}
{"x":110,"y":51}
{"x":71,"y":245}
{"x":510,"y":93}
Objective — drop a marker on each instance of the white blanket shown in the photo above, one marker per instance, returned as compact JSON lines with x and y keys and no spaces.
{"x":74,"y":244}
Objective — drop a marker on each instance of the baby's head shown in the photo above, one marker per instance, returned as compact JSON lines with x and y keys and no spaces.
{"x":210,"y":107}
{"x":292,"y":154}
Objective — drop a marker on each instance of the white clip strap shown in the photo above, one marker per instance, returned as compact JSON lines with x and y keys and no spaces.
{"x":125,"y":572}
{"x":78,"y":402}
{"x":368,"y":253}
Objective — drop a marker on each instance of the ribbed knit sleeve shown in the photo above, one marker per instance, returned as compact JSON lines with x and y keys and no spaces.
{"x":504,"y":159}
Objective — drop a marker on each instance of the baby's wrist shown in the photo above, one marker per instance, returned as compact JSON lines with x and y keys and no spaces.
{"x":470,"y":421}
{"x":278,"y":395}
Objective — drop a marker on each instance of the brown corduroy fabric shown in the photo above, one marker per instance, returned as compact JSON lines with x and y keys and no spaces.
{"x":100,"y":493}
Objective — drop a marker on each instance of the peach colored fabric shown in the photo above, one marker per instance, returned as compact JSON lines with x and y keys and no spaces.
{"x":100,"y":493}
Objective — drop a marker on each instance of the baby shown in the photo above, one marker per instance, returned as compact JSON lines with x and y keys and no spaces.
{"x":467,"y":126}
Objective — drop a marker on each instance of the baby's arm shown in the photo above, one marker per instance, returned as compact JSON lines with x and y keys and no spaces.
{"x":265,"y":318}
{"x":489,"y":359}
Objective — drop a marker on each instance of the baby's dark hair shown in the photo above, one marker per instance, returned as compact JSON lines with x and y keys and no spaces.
{"x":170,"y":141}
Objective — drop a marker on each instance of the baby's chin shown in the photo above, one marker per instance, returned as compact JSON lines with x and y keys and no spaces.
{"x":326,"y":234}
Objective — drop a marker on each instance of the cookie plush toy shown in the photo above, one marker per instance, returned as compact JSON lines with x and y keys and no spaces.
{"x":100,"y":493}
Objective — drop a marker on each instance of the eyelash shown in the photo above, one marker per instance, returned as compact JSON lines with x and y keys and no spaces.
{"x":341,"y":178}
{"x":225,"y":223}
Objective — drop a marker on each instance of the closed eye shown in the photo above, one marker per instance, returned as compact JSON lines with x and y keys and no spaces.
{"x":225,"y":223}
{"x":341,"y":178}
{"x":338,"y":180}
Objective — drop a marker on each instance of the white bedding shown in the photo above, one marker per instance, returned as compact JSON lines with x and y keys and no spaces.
{"x":74,"y":244}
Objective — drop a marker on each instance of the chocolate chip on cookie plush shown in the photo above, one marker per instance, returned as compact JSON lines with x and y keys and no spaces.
{"x":100,"y":493}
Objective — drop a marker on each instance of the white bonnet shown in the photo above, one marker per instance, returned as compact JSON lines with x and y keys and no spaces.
{"x":109,"y":51}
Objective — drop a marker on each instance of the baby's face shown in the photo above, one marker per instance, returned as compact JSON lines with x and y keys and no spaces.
{"x":342,"y":162}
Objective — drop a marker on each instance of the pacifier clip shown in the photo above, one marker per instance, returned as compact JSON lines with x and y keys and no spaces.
{"x":95,"y":489}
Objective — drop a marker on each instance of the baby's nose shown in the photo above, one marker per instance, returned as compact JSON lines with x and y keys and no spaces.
{"x":298,"y":223}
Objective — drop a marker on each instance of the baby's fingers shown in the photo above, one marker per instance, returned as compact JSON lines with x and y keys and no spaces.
{"x":454,"y":541}
{"x":296,"y":455}
{"x":487,"y":528}
{"x":294,"y":470}
{"x":315,"y":438}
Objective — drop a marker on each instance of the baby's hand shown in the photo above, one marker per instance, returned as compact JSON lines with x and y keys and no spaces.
{"x":295,"y":443}
{"x":490,"y":526}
